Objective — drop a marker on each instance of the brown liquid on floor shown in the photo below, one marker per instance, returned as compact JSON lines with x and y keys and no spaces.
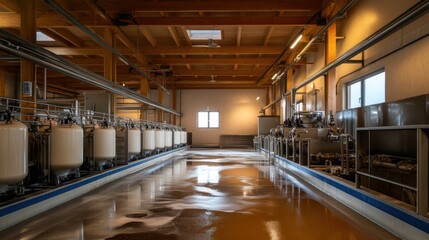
{"x":213,"y":194}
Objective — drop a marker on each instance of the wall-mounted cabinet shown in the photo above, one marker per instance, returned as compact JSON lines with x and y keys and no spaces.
{"x":394,"y":161}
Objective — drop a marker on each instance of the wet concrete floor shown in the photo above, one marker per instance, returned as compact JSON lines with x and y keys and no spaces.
{"x":208,"y":194}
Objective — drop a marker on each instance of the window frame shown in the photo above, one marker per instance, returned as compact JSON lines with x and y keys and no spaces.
{"x":362,"y":79}
{"x":208,"y":120}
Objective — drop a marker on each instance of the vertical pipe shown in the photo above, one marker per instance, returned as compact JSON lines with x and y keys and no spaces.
{"x":293,"y":101}
{"x":45,"y":77}
{"x":76,"y":107}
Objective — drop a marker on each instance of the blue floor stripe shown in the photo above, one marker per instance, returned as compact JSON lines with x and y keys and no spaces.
{"x":414,"y":220}
{"x":42,"y":197}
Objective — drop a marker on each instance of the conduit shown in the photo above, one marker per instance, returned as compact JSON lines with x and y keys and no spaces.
{"x":100,"y":41}
{"x":30,"y":51}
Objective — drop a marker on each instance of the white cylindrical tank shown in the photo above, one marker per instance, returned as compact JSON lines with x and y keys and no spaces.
{"x":148,"y":143}
{"x":104,"y":143}
{"x":168,"y":138}
{"x":176,"y":138}
{"x":159,"y":138}
{"x":183,"y":137}
{"x":13,"y":152}
{"x":134,"y":141}
{"x":66,"y":147}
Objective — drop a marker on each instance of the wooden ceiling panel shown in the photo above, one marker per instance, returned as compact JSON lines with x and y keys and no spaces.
{"x":254,"y":34}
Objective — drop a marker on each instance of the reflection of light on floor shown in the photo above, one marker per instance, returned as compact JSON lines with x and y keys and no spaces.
{"x":273,"y":228}
{"x":207,"y":174}
{"x":152,"y":190}
{"x":210,"y":191}
{"x":134,"y":197}
{"x":247,"y":190}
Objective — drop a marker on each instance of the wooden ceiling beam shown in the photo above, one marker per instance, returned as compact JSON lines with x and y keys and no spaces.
{"x":10,"y":5}
{"x":57,"y":37}
{"x":212,"y":61}
{"x":148,"y":35}
{"x":12,"y":20}
{"x":212,"y":6}
{"x":207,"y":51}
{"x":171,"y":50}
{"x":174,"y":35}
{"x":180,"y":72}
{"x":218,"y":78}
{"x":69,"y":36}
{"x":85,"y":51}
{"x":185,"y":33}
{"x":217,"y":86}
{"x":223,"y":21}
{"x":217,"y":82}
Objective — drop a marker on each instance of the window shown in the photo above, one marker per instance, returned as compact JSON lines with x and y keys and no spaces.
{"x":41,"y":37}
{"x":204,"y":34}
{"x":208,"y":119}
{"x":366,"y":91}
{"x":299,"y":107}
{"x":375,"y":89}
{"x":354,"y":95}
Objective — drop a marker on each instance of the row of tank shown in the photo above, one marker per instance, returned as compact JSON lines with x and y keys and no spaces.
{"x":57,"y":150}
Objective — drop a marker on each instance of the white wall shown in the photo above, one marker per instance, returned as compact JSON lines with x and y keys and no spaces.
{"x":238,"y":111}
{"x":403,"y":55}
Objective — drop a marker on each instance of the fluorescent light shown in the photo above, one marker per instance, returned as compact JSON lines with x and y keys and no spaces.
{"x":123,"y":60}
{"x":257,"y":98}
{"x":274,"y":76}
{"x":296,"y":41}
{"x":204,"y":34}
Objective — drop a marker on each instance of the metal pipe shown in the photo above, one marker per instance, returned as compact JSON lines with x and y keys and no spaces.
{"x":100,"y":41}
{"x":279,"y":57}
{"x":45,"y":77}
{"x":276,"y":101}
{"x":402,"y":20}
{"x":337,"y":16}
{"x":272,"y":103}
{"x":19,"y":47}
{"x":314,"y":38}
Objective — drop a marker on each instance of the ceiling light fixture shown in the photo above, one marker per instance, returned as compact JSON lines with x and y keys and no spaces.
{"x":257,"y":98}
{"x":296,"y":41}
{"x":274,"y":76}
{"x":212,"y":80}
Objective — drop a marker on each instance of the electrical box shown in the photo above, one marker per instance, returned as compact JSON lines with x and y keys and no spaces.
{"x":27,"y":89}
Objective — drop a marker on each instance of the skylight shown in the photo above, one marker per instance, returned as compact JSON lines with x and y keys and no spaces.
{"x":41,"y":37}
{"x":204,"y":34}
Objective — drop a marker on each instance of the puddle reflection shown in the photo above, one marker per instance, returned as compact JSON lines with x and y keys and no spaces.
{"x":213,"y":194}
